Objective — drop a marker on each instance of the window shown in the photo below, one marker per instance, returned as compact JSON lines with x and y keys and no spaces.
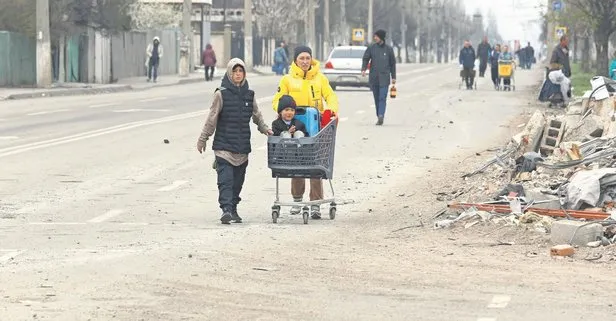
{"x":348,"y":53}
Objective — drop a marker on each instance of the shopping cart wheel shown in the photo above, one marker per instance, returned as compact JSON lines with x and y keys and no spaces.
{"x":306,"y":216}
{"x":275,"y":216}
{"x":332,"y":213}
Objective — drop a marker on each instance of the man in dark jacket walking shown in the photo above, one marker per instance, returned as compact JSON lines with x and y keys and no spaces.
{"x":382,"y":62}
{"x":233,"y":107}
{"x":467,"y":61}
{"x":483,"y":51}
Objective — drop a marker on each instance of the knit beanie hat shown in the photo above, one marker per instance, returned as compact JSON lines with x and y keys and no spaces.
{"x":300,"y":49}
{"x":381,"y":34}
{"x":286,"y":101}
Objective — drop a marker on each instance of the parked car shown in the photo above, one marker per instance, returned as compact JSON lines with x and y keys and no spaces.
{"x":343,"y":67}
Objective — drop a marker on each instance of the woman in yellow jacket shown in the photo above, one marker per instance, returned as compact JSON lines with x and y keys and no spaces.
{"x":308,"y":87}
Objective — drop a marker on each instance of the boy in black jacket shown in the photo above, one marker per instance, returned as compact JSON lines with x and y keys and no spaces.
{"x":286,"y":124}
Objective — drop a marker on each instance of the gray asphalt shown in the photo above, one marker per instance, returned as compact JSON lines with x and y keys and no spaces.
{"x":100,"y":220}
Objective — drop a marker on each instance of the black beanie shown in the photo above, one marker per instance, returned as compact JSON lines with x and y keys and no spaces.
{"x":300,"y":49}
{"x":286,"y":101}
{"x":381,"y":34}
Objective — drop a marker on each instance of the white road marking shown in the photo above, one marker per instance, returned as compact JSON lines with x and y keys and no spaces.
{"x":173,"y":186}
{"x":499,"y":302}
{"x":486,"y":319}
{"x":135,"y":224}
{"x":138,"y":110}
{"x":11,"y":254}
{"x":152,"y":99}
{"x":110,"y":214}
{"x":359,"y":112}
{"x":48,"y":112}
{"x":8,"y":137}
{"x":56,"y":223}
{"x":344,"y":119}
{"x":103,"y":105}
{"x":261,"y":148}
{"x":4,"y":152}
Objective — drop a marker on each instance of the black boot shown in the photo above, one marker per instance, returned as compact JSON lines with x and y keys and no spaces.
{"x":379,"y":122}
{"x":235,"y":217}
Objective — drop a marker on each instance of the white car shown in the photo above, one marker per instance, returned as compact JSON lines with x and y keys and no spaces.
{"x":343,"y":67}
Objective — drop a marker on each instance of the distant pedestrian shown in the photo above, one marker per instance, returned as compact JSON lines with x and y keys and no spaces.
{"x":382,"y":61}
{"x":560,"y":68}
{"x":494,"y":65}
{"x":530,"y":56}
{"x":229,"y":118}
{"x":467,"y":62}
{"x":281,"y":60}
{"x":154,"y":53}
{"x":209,"y":62}
{"x":612,"y":71}
{"x":483,"y":52}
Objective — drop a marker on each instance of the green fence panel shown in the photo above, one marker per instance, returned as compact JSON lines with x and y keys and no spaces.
{"x":17,"y":60}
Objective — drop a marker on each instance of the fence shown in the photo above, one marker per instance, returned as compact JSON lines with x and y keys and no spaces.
{"x":17,"y":60}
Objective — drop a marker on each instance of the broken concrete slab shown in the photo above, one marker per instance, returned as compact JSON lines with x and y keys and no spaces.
{"x":530,"y":137}
{"x":592,"y":126}
{"x":575,"y":232}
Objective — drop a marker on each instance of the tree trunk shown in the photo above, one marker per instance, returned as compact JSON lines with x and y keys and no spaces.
{"x":575,"y":47}
{"x":602,"y":43}
{"x":586,"y":55}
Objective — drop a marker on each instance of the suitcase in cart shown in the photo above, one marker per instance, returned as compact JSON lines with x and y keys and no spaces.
{"x":307,"y":157}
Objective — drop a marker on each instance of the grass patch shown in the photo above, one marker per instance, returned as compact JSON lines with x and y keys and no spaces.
{"x":580,"y":80}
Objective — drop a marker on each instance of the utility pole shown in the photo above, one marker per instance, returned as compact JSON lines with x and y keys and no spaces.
{"x":370,"y":18}
{"x":343,"y":22}
{"x":248,"y":34}
{"x":403,"y":33}
{"x":186,"y":47}
{"x":326,"y":35}
{"x":43,"y":46}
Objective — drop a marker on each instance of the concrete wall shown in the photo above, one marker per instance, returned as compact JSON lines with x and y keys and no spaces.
{"x":17,"y":60}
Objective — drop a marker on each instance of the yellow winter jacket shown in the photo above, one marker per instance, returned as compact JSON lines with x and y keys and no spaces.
{"x":307,"y":88}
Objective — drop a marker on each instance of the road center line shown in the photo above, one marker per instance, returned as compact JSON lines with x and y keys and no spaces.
{"x":152,"y":99}
{"x":4,"y":152}
{"x":103,"y":105}
{"x":486,"y":319}
{"x":499,"y":302}
{"x":8,"y":137}
{"x":11,"y":254}
{"x":139,"y":110}
{"x":173,"y":186}
{"x":56,"y":223}
{"x":48,"y":112}
{"x":359,"y":112}
{"x":110,"y":214}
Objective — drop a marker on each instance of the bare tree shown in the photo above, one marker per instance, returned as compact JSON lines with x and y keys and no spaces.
{"x":18,"y":16}
{"x":600,"y":15}
{"x":156,"y":15}
{"x":275,"y":17}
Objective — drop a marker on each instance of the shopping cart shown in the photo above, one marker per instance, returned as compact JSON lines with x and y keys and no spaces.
{"x":307,"y":157}
{"x":505,"y":72}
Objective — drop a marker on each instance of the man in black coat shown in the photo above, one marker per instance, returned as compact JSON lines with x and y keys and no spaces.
{"x":483,"y":51}
{"x":467,"y":61}
{"x":382,"y":62}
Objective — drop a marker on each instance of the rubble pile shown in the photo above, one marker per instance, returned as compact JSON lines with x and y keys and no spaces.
{"x":560,"y":169}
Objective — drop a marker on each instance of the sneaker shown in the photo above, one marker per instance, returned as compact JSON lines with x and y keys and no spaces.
{"x":315,"y":212}
{"x":226,"y":217}
{"x":235,"y":217}
{"x":296,"y":210}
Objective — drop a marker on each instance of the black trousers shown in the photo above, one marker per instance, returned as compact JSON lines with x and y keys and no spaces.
{"x":483,"y":65}
{"x":468,"y":77}
{"x":230,"y":182}
{"x":494,"y":71}
{"x":209,"y":73}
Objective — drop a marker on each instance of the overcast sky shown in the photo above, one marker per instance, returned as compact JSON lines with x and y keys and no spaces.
{"x":514,"y":17}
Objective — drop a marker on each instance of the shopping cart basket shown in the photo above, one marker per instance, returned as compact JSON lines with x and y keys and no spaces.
{"x":307,"y":157}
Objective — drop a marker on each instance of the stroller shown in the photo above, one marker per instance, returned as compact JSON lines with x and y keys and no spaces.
{"x":506,"y":74}
{"x":307,"y":157}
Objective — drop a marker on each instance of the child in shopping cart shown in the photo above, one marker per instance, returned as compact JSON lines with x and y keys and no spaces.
{"x":286,"y":125}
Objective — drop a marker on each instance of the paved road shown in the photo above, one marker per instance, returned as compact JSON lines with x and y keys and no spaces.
{"x":100,"y":220}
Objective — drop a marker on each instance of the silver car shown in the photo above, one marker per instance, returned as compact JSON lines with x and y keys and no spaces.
{"x":343,"y":67}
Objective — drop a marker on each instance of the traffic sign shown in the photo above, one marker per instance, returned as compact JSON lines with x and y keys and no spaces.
{"x":557,"y":5}
{"x":358,"y":35}
{"x":560,"y":31}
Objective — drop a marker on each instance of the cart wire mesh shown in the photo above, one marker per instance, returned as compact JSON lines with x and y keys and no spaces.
{"x":307,"y":157}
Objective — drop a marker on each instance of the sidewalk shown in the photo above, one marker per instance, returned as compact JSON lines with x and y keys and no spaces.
{"x":126,"y":84}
